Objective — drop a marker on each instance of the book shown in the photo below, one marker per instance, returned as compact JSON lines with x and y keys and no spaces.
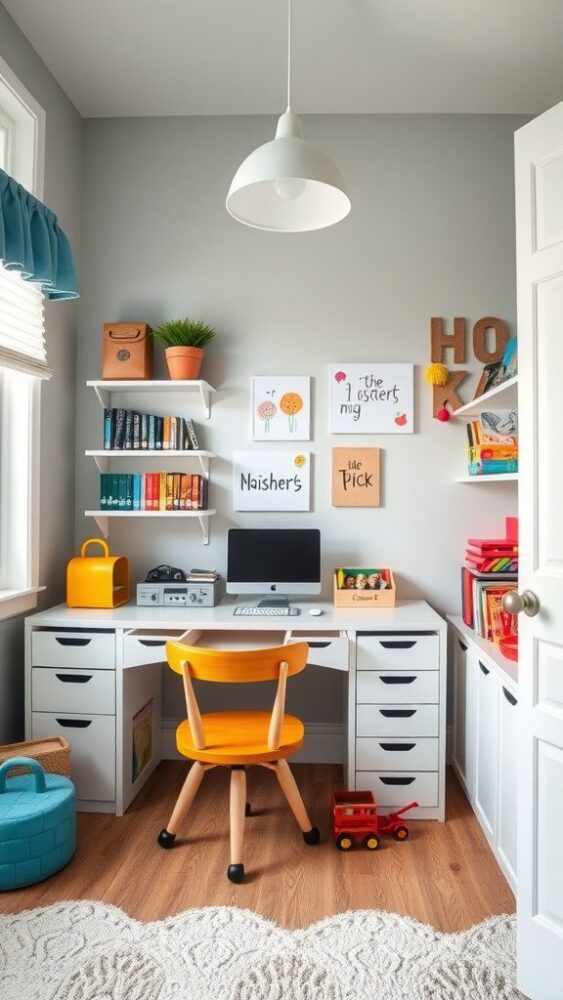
{"x":128,"y":433}
{"x":119,"y":435}
{"x":152,"y":431}
{"x":144,"y":431}
{"x":195,"y":492}
{"x":169,"y":501}
{"x":166,"y":433}
{"x":469,"y":578}
{"x":137,"y":491}
{"x":109,"y":428}
{"x":128,"y":492}
{"x":136,"y":440}
{"x":497,"y":544}
{"x":158,"y":432}
{"x":488,"y":467}
{"x":161,"y":505}
{"x":192,"y":436}
{"x":183,"y":491}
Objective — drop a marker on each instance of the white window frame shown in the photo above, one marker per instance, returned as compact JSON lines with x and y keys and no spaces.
{"x":25,"y":119}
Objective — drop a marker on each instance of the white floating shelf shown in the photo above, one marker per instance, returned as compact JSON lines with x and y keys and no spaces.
{"x":495,"y":477}
{"x":502,"y":397}
{"x":105,"y":388}
{"x":102,"y":517}
{"x":102,"y":455}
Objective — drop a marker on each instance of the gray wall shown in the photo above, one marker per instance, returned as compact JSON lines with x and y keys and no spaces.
{"x":431,"y":233}
{"x":63,"y":193}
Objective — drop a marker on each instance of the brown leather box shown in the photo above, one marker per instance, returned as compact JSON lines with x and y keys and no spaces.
{"x":127,"y":351}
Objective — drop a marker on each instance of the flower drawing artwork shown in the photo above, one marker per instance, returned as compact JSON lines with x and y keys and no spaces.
{"x":290,"y":404}
{"x":266,"y":411}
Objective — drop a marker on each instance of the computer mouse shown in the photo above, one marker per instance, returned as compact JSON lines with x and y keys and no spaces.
{"x":315,"y":611}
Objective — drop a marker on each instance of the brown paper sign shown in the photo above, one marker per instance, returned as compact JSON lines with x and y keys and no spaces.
{"x":355,"y":477}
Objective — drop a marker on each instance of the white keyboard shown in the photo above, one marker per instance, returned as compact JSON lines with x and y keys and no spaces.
{"x":254,"y":612}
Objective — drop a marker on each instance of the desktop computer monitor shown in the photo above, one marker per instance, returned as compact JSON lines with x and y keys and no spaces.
{"x":274,"y":561}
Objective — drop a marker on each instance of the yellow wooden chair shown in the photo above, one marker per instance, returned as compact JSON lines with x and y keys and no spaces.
{"x":238,"y":739}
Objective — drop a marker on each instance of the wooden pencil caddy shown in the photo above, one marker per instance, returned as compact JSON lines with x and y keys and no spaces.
{"x":366,"y":599}
{"x":127,"y":351}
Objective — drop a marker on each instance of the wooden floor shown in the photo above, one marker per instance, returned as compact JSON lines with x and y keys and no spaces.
{"x":444,"y":874}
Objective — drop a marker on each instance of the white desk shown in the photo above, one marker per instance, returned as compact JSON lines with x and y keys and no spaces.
{"x":89,"y":672}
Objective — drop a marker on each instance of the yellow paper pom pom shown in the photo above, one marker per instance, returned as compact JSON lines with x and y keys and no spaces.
{"x":436,"y":374}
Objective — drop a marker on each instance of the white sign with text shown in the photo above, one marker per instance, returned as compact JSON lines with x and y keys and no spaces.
{"x":272,"y":480}
{"x":371,"y":398}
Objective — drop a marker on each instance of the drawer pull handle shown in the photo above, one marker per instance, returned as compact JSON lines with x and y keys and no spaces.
{"x":462,"y":645}
{"x":510,"y":697}
{"x":398,"y":643}
{"x":398,"y":713}
{"x":72,"y":640}
{"x":398,"y":680}
{"x":74,"y":678}
{"x":401,"y":747}
{"x":318,"y":645}
{"x":153,"y":642}
{"x":484,"y":670}
{"x":396,"y":781}
{"x":74,"y":723}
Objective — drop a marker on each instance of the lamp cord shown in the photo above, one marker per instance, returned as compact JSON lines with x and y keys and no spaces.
{"x":289,"y":55}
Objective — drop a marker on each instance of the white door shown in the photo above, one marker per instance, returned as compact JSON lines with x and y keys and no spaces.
{"x":539,"y":237}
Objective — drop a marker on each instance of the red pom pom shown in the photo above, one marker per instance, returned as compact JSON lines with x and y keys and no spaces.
{"x":443,"y":415}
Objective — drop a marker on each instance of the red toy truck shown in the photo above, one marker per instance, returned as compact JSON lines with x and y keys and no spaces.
{"x":355,"y":820}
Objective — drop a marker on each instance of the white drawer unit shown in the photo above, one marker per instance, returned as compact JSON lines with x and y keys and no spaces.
{"x":71,"y":690}
{"x":387,"y":687}
{"x":396,"y":789}
{"x":88,"y":650}
{"x":330,"y":650}
{"x":378,"y":651}
{"x":397,"y":720}
{"x":92,"y":750}
{"x":397,"y":755}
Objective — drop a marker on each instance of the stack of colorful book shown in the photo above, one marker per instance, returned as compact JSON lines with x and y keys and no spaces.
{"x":129,"y":430}
{"x":153,"y":491}
{"x":491,"y":570}
{"x":493,"y":443}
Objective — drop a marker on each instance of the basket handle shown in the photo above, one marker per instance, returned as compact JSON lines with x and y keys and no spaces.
{"x":33,"y":765}
{"x":94,"y":541}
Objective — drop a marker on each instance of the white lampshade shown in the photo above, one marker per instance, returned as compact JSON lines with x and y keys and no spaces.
{"x":288,"y":185}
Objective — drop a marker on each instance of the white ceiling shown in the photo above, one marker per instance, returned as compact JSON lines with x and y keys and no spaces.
{"x":177,"y":57}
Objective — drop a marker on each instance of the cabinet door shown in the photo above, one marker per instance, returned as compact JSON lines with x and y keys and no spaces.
{"x":465,"y":678}
{"x":508,"y":778}
{"x":486,"y":776}
{"x":92,"y":750}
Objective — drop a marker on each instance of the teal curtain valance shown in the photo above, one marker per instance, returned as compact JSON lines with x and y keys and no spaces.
{"x":32,"y":242}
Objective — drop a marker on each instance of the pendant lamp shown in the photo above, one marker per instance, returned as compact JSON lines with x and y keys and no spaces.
{"x":288,"y":185}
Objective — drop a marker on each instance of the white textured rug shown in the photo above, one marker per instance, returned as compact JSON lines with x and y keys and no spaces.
{"x":91,"y":951}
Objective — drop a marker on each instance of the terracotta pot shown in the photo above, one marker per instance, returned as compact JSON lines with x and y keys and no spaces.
{"x":184,"y":362}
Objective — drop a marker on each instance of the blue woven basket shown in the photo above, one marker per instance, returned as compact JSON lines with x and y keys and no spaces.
{"x":37,"y":824}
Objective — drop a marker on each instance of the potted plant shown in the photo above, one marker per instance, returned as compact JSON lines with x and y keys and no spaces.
{"x":184,"y":340}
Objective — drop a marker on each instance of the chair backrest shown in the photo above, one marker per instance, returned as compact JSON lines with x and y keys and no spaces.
{"x":237,"y":666}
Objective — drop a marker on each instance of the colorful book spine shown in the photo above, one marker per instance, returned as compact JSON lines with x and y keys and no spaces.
{"x":109,"y":428}
{"x":490,"y":467}
{"x":137,"y":491}
{"x":152,"y":432}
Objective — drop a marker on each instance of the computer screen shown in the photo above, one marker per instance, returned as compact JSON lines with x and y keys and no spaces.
{"x":274,"y":561}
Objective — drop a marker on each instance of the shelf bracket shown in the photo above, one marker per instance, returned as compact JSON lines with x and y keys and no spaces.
{"x":103,"y":396}
{"x":205,"y":399}
{"x":103,"y":525}
{"x":102,"y":463}
{"x":204,"y":465}
{"x":204,"y":525}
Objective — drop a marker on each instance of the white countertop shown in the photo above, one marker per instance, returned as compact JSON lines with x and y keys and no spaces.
{"x":406,"y":615}
{"x":489,"y":651}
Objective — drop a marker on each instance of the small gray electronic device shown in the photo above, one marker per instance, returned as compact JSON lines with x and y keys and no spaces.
{"x":200,"y":594}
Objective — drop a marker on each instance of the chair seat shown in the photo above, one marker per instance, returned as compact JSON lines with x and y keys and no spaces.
{"x":240,"y":738}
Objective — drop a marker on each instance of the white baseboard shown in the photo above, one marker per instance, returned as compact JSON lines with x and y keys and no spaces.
{"x":324,"y":743}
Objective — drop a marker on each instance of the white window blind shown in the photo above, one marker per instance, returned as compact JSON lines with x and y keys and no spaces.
{"x":22,"y":325}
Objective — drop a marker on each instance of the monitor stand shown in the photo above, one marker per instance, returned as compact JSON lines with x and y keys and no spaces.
{"x":274,"y":602}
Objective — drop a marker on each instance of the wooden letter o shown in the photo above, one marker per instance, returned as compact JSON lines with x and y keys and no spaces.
{"x":479,"y":343}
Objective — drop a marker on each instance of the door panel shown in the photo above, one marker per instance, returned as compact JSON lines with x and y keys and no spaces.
{"x":539,"y":246}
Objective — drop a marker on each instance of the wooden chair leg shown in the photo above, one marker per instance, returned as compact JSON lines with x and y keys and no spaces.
{"x":289,"y":788}
{"x":235,"y":871}
{"x":183,"y":805}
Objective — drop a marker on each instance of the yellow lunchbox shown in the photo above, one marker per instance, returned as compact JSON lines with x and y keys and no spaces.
{"x":97,"y":581}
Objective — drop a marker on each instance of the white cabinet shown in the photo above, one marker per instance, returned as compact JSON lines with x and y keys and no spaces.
{"x":485,"y":740}
{"x":92,"y":750}
{"x":508,"y":774}
{"x":464,"y":684}
{"x":486,"y":768}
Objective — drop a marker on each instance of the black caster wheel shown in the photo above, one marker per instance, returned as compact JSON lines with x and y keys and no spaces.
{"x":235,"y":873}
{"x":248,"y":809}
{"x":312,"y":836}
{"x":166,"y":839}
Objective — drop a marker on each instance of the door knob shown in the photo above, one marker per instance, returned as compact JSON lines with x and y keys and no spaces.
{"x":515,"y":603}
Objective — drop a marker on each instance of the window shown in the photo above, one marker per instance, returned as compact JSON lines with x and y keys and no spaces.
{"x":22,"y":367}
